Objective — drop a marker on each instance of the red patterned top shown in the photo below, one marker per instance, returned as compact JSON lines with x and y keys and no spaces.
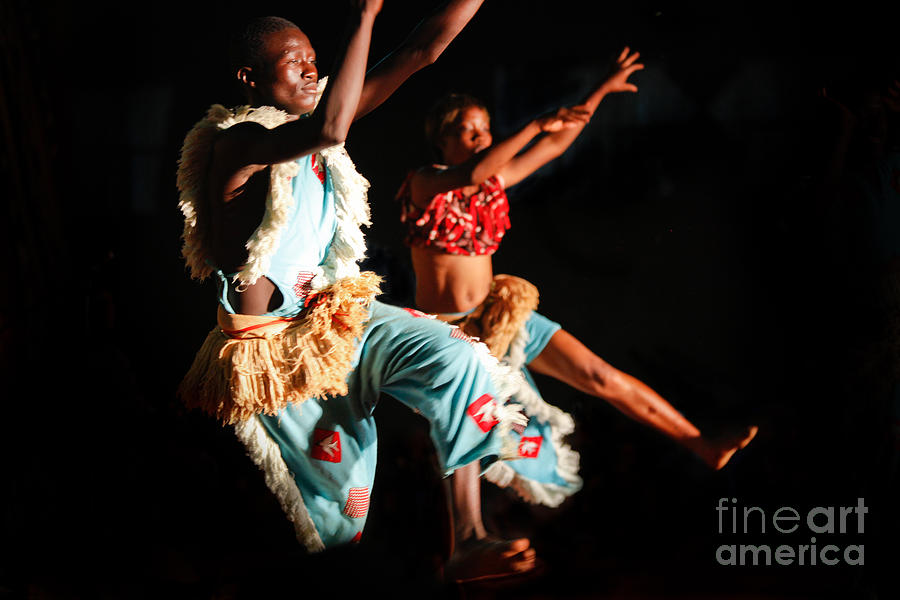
{"x":455,"y":223}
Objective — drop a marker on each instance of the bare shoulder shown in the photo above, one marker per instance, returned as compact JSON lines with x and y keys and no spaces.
{"x":427,"y":171}
{"x":421,"y":184}
{"x":431,"y":180}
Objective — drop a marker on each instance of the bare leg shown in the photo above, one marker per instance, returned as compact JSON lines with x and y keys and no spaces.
{"x":570,"y":361}
{"x":476,"y":555}
{"x":466,"y":491}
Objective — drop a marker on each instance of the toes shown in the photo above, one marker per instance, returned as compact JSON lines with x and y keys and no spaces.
{"x":521,"y":556}
{"x":723,"y":459}
{"x":517,"y":545}
{"x":522,"y":567}
{"x":739,"y":443}
{"x":525,"y":561}
{"x":751,"y":433}
{"x":493,"y":559}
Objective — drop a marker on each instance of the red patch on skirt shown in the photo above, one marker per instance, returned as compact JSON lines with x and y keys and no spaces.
{"x":326,"y":445}
{"x":530,"y":447}
{"x":357,"y":503}
{"x":482,"y":412}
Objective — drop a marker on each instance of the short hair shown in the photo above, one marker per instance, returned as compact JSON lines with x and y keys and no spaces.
{"x":442,"y":114}
{"x":246,"y":45}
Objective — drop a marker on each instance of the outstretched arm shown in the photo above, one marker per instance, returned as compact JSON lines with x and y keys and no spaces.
{"x":430,"y":181}
{"x":423,"y":46}
{"x":554,"y":144}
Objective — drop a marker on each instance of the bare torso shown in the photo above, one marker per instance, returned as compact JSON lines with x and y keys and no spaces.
{"x":448,"y":283}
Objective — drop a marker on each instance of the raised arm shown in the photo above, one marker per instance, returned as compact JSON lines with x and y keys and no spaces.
{"x":248,"y":144}
{"x":429,"y":181}
{"x":421,"y":48}
{"x":553,"y":145}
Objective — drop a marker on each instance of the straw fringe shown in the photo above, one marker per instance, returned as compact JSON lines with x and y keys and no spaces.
{"x":503,"y":313}
{"x":235,"y":378}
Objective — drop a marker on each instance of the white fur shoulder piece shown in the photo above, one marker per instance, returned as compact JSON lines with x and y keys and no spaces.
{"x":351,"y":202}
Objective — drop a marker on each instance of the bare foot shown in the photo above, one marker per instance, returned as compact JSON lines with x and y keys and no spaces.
{"x":719,"y":452}
{"x":490,"y":558}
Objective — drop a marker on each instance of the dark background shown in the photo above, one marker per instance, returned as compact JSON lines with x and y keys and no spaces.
{"x":685,"y":237}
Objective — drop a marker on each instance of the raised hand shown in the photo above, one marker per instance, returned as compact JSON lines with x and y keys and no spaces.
{"x":564,"y":118}
{"x":626,"y":64}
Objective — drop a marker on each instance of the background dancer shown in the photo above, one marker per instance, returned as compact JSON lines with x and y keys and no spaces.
{"x":457,"y":213}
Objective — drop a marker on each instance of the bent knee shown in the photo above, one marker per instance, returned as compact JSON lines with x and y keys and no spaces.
{"x":443,"y":345}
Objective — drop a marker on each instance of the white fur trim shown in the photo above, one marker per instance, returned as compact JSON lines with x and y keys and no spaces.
{"x":505,"y":381}
{"x":561,"y":425}
{"x":348,"y":245}
{"x":266,"y":454}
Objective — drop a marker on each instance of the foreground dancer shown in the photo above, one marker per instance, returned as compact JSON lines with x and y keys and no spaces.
{"x":456,"y":215}
{"x":273,"y":208}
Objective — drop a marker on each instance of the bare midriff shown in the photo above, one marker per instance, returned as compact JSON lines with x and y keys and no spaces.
{"x":450,"y":283}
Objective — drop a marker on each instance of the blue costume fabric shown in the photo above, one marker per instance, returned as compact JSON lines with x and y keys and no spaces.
{"x":539,"y":461}
{"x":326,"y":449}
{"x":546,"y":468}
{"x":543,"y":468}
{"x":330,"y":446}
{"x":303,"y":246}
{"x":539,"y":330}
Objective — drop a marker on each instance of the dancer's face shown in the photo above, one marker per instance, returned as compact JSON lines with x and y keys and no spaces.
{"x":469,"y":134}
{"x":289,"y":77}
